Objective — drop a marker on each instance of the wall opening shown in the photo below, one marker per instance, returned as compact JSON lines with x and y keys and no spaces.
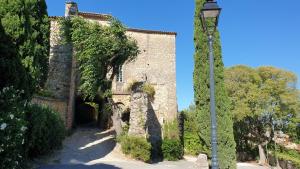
{"x":86,"y":113}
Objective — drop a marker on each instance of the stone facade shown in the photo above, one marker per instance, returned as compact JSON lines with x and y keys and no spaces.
{"x":156,"y":62}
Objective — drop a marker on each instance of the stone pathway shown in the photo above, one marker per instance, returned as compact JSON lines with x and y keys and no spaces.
{"x":250,"y":166}
{"x":92,"y":149}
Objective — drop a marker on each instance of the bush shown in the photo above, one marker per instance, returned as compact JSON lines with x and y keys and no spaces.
{"x":12,"y":128}
{"x":171,"y":130}
{"x":192,"y":144}
{"x":289,"y":155}
{"x":138,"y":148}
{"x":293,"y":129}
{"x":171,"y":146}
{"x":144,"y":87}
{"x":46,"y":130}
{"x":149,"y":89}
{"x":172,"y":149}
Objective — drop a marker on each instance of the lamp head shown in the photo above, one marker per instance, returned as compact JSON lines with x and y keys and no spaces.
{"x":210,"y":16}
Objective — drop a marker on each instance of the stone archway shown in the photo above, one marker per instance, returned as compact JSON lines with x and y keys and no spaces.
{"x":86,"y":113}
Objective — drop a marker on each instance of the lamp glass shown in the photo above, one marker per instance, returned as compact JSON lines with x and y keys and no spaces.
{"x":211,"y":13}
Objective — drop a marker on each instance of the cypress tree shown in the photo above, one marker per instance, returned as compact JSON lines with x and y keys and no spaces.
{"x":226,"y":143}
{"x":12,"y":71}
{"x":27,"y":23}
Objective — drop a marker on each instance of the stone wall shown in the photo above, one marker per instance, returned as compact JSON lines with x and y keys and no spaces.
{"x":123,"y":98}
{"x":60,"y":63}
{"x":61,"y":75}
{"x":60,"y":106}
{"x":138,"y":114}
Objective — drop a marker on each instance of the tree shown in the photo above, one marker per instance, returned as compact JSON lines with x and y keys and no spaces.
{"x":242,"y":84}
{"x":12,"y":71}
{"x":258,"y":97}
{"x":27,"y":23}
{"x":226,"y":144}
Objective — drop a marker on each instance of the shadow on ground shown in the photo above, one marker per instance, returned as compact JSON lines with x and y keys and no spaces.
{"x":80,"y":166}
{"x":86,"y":145}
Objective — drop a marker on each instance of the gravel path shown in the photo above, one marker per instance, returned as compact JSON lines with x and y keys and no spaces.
{"x":92,"y":149}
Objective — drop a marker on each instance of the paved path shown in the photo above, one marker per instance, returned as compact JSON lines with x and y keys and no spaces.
{"x":250,"y":166}
{"x":93,"y":149}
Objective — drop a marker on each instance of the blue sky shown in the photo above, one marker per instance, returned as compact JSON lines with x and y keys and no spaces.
{"x":253,"y":32}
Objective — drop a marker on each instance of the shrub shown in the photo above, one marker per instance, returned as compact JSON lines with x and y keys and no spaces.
{"x":171,"y":130}
{"x":289,"y":155}
{"x":192,"y":144}
{"x":192,"y":141}
{"x":144,"y":87}
{"x":293,"y":129}
{"x":171,"y":146}
{"x":172,"y":149}
{"x":46,"y":130}
{"x":149,"y":89}
{"x":137,"y":147}
{"x":12,"y":128}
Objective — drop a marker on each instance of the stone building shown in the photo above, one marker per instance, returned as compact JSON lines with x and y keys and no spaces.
{"x":155,"y":64}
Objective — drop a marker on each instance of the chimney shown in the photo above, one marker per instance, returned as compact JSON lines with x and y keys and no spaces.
{"x":71,"y":9}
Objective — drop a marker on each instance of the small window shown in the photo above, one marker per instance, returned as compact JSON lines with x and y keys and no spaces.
{"x":120,"y":74}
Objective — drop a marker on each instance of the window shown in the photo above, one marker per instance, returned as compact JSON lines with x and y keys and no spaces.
{"x":120,"y":74}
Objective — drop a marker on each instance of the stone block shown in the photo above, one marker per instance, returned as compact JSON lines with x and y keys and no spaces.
{"x":202,"y":161}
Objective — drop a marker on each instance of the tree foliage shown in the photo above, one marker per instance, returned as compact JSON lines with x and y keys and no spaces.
{"x":259,"y":97}
{"x":192,"y":144}
{"x":26,"y":24}
{"x":226,"y":144}
{"x":171,"y":147}
{"x":99,"y":49}
{"x":12,"y":71}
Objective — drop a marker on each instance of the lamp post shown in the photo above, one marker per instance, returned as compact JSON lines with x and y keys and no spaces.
{"x":209,"y":18}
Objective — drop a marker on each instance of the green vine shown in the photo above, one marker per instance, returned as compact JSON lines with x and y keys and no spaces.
{"x":98,"y":50}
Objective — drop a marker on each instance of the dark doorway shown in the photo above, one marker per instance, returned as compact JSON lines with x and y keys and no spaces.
{"x":86,"y":113}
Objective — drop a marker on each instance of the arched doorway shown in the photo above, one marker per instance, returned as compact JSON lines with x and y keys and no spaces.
{"x":86,"y":112}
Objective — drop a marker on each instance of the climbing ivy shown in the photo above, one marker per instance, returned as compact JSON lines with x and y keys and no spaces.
{"x":98,"y":49}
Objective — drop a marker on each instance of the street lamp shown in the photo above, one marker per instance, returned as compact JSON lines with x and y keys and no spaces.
{"x":209,"y":18}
